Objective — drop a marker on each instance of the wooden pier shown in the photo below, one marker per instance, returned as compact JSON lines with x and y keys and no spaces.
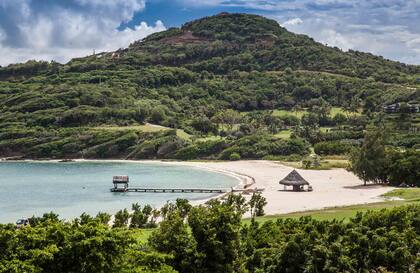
{"x":169,"y":190}
{"x":121,"y":185}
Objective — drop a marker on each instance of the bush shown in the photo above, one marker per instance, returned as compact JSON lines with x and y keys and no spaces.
{"x":339,"y":119}
{"x":259,"y":146}
{"x":342,"y":134}
{"x":332,"y":148}
{"x":158,"y":115}
{"x":290,"y":120}
{"x":234,"y":157}
{"x":404,"y":167}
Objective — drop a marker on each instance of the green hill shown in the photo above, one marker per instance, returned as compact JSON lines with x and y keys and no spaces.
{"x":190,"y":78}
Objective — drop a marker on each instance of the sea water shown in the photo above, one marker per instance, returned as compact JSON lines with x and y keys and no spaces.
{"x":69,"y":189}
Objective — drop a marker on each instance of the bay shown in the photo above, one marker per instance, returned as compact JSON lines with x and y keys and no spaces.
{"x":69,"y":189}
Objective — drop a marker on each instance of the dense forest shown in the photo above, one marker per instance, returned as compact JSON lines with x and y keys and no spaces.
{"x":212,"y":238}
{"x":229,"y":86}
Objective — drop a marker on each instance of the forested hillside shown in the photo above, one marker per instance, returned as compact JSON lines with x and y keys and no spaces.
{"x":233,"y":85}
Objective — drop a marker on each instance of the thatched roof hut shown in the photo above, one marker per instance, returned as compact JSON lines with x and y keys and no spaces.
{"x":295,"y":180}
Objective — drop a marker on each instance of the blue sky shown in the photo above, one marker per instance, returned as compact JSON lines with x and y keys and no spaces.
{"x":62,"y":29}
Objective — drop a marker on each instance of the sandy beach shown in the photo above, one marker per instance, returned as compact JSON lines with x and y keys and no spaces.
{"x":331,"y":188}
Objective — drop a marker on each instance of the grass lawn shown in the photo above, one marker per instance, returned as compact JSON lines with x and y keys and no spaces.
{"x":337,"y":213}
{"x":182,"y":134}
{"x":300,"y":113}
{"x":209,"y":138}
{"x":149,"y":128}
{"x":281,"y":113}
{"x":336,"y":110}
{"x":326,"y":164}
{"x":285,"y":134}
{"x":141,"y":128}
{"x":406,"y":194}
{"x":325,"y":129}
{"x":409,"y":196}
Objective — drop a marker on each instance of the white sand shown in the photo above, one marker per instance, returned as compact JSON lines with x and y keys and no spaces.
{"x":331,"y":188}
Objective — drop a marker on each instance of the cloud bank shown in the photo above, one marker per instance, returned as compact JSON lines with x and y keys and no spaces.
{"x":61,"y":30}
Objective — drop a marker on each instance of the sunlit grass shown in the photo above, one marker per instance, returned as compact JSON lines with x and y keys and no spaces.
{"x":182,"y":134}
{"x":407,"y":194}
{"x":285,"y":134}
{"x":209,"y":138}
{"x":336,"y":213}
{"x":300,"y":113}
{"x":325,"y":129}
{"x":141,"y":128}
{"x":282,"y":113}
{"x":148,"y":128}
{"x":325,"y":164}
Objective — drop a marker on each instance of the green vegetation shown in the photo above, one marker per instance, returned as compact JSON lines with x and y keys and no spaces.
{"x":345,"y":213}
{"x":285,"y":134}
{"x":376,"y":162}
{"x":406,"y":194}
{"x":213,"y":238}
{"x":233,"y":79}
{"x":140,"y":128}
{"x":315,"y":163}
{"x":293,"y":112}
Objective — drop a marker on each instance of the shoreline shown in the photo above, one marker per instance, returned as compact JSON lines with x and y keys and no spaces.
{"x":332,"y":188}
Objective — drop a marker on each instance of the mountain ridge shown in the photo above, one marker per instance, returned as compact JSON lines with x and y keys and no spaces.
{"x":223,"y":77}
{"x":240,"y":32}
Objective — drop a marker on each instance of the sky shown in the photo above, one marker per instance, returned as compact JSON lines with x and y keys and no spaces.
{"x":63,"y":29}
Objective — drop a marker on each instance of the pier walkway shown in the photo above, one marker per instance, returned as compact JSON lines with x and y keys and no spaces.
{"x":170,"y":190}
{"x":121,"y":185}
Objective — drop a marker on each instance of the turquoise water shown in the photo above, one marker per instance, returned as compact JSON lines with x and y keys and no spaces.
{"x":69,"y":189}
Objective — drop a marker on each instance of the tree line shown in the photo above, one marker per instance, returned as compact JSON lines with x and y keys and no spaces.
{"x":213,"y":238}
{"x":377,"y":162}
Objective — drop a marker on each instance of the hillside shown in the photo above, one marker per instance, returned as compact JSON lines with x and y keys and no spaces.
{"x":219,"y":79}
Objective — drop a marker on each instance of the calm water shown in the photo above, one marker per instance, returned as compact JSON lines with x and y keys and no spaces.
{"x":32,"y":188}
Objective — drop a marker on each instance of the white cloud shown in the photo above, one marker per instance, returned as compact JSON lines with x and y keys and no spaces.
{"x":35,"y":32}
{"x":2,"y":35}
{"x":292,"y":22}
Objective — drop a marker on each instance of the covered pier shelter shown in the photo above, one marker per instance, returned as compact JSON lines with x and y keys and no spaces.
{"x":120,"y":183}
